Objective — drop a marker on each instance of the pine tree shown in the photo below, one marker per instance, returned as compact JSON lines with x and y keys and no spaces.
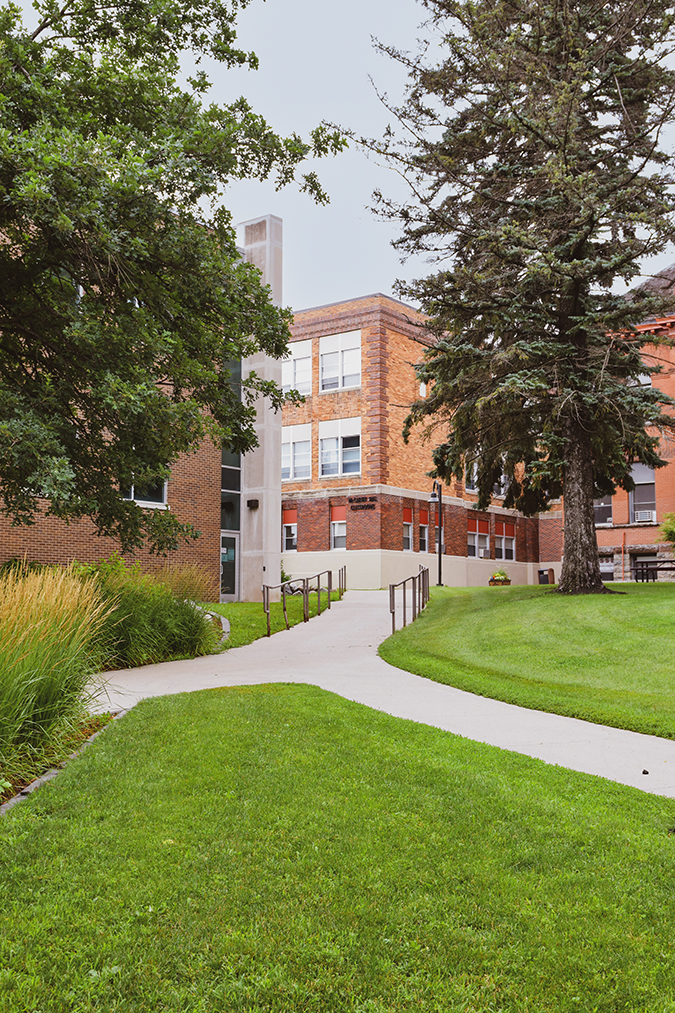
{"x":534,"y":151}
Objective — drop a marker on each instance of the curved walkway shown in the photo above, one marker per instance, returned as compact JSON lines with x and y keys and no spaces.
{"x":338,"y":652}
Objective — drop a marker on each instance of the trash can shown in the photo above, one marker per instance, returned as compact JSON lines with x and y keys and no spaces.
{"x":543,"y":576}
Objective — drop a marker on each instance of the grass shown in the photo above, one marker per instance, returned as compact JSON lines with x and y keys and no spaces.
{"x":279,"y":849}
{"x":248,"y":621}
{"x":602,"y":658}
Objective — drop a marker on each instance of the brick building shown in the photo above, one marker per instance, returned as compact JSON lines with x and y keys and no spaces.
{"x":352,"y":491}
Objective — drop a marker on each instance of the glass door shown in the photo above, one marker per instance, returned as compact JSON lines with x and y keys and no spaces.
{"x":229,"y":567}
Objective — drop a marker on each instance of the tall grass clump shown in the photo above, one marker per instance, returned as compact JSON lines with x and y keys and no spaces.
{"x":50,"y":623}
{"x":153,"y":618}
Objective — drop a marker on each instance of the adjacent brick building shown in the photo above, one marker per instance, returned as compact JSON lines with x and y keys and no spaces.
{"x":352,"y":491}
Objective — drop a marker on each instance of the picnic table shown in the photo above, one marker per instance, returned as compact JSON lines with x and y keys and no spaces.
{"x":648,"y":569}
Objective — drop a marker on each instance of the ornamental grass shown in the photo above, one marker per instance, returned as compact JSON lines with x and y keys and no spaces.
{"x":50,"y":622}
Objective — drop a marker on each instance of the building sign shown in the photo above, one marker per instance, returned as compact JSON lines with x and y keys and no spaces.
{"x":362,"y":502}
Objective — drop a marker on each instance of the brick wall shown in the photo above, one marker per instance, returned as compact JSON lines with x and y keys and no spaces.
{"x":193,"y":496}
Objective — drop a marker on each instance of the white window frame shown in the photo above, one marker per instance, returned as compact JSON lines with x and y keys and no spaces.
{"x":481,"y":549}
{"x":640,"y":472}
{"x":290,"y":437}
{"x":340,"y":430}
{"x":298,"y":352}
{"x":407,"y":536}
{"x":338,"y":529}
{"x":424,"y":539}
{"x":602,"y":503}
{"x":149,"y":503}
{"x":502,"y":544}
{"x":293,"y":529}
{"x":341,"y":345}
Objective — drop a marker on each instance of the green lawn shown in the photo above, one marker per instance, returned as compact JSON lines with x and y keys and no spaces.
{"x":280,"y":850}
{"x":248,"y":621}
{"x":604,"y":658}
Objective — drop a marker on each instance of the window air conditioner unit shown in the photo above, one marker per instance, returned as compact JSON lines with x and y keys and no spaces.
{"x":645,"y":515}
{"x":481,"y":553}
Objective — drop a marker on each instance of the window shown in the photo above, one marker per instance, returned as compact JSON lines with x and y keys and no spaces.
{"x":340,"y":361}
{"x":340,"y":447}
{"x":478,"y":542}
{"x":505,"y":540}
{"x":296,"y":452}
{"x":152,"y":494}
{"x":470,"y":478}
{"x":407,"y":529}
{"x":642,"y":500}
{"x":607,"y":567}
{"x":500,"y":486}
{"x":424,"y":530}
{"x":338,"y":527}
{"x":296,"y":371}
{"x":230,"y":490}
{"x":289,"y":536}
{"x":603,"y":510}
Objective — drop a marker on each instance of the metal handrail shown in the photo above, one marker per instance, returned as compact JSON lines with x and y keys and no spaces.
{"x":420,"y":596}
{"x":286,"y":587}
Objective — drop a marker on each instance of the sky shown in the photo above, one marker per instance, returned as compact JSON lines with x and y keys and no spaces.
{"x":316,"y":63}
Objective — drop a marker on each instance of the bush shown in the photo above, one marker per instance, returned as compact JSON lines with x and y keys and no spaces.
{"x":149,"y":620}
{"x":50,"y":623}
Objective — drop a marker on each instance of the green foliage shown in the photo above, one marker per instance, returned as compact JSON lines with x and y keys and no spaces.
{"x":50,"y":622}
{"x":282,"y":849}
{"x":667,"y":529}
{"x":606,"y":659}
{"x":124,"y":298}
{"x":539,"y":177}
{"x":148,"y":619}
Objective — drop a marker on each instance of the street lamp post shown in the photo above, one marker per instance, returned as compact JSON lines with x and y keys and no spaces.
{"x":436,"y":500}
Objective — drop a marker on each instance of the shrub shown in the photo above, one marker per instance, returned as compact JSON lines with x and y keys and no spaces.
{"x":189,"y":582}
{"x":50,"y":622}
{"x":148,"y":622}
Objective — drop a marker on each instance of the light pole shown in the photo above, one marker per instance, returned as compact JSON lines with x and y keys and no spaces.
{"x":436,"y":500}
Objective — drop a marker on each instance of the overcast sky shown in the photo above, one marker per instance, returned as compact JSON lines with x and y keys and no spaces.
{"x":315,"y":63}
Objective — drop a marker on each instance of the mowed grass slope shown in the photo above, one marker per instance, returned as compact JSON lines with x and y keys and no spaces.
{"x":280,"y":849}
{"x":604,"y":658}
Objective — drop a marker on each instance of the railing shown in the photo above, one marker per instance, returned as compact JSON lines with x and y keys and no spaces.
{"x":420,"y":596}
{"x":303,"y":586}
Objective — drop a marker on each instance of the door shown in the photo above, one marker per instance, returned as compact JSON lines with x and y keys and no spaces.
{"x":229,"y":567}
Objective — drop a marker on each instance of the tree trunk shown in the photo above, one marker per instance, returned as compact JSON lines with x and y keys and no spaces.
{"x":581,"y":566}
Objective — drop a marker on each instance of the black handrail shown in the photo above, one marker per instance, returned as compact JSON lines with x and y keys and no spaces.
{"x":304,"y":589}
{"x":420,"y":596}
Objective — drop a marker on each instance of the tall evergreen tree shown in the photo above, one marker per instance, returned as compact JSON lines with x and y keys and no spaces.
{"x":122,"y":295}
{"x":534,"y":148}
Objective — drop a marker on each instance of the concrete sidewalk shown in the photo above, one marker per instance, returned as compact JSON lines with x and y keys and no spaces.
{"x":338,"y":652}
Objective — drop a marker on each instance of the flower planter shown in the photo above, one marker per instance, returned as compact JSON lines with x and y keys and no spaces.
{"x":496,"y":582}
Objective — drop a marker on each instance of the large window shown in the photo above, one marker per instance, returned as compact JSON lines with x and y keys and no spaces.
{"x":340,"y":361}
{"x":642,"y":500}
{"x":602,"y":509}
{"x":340,"y":447}
{"x":407,"y":529}
{"x":289,"y":540}
{"x":424,"y":530}
{"x":296,"y":452}
{"x":230,"y":490}
{"x":505,"y":540}
{"x":478,"y":540}
{"x":296,"y":371}
{"x":153,"y":494}
{"x":338,"y":527}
